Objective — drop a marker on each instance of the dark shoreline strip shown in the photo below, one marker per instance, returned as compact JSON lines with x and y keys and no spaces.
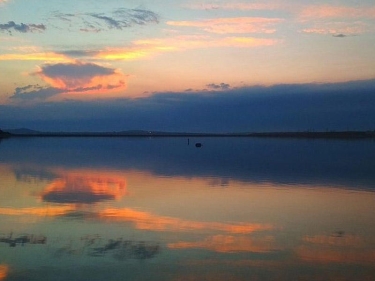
{"x":303,"y":135}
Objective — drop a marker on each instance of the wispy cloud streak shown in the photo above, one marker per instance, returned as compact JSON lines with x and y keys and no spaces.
{"x":233,"y":6}
{"x":96,"y":22}
{"x":146,"y":48}
{"x":337,"y":28}
{"x":232,"y":25}
{"x":38,"y":56}
{"x":336,"y":19}
{"x":315,"y":12}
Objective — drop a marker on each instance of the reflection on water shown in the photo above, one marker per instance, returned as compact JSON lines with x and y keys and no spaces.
{"x":160,"y":209}
{"x":22,"y":240}
{"x":83,"y":188}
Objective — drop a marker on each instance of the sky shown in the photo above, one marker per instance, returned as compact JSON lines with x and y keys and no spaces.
{"x":218,"y":66}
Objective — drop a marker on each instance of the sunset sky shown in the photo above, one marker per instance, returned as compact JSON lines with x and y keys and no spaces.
{"x":187,"y":65}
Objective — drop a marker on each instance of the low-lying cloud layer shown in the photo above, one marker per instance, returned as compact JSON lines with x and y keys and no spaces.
{"x":336,"y":106}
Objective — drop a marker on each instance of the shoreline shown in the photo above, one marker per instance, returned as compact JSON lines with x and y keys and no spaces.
{"x":303,"y":135}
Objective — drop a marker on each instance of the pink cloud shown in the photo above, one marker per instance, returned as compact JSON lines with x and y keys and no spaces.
{"x":334,"y":28}
{"x":232,"y":25}
{"x":233,"y":6}
{"x":330,"y":11}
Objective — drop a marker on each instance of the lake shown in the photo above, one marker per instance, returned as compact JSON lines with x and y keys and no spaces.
{"x":163,"y":209}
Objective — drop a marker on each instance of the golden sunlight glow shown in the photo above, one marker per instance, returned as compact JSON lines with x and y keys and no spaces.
{"x":46,"y":57}
{"x":147,"y":48}
{"x":141,"y":50}
{"x":229,"y":244}
{"x":193,"y":42}
{"x":245,"y":42}
{"x":123,"y":54}
{"x":50,"y":211}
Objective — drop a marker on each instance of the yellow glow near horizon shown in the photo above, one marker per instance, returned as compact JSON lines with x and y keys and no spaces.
{"x":46,"y":57}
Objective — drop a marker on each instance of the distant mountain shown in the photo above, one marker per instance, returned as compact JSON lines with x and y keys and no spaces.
{"x":133,"y":132}
{"x":152,"y":133}
{"x":23,"y":131}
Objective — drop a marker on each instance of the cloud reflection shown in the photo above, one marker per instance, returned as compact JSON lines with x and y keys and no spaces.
{"x":126,"y":249}
{"x":23,"y":239}
{"x":49,"y":211}
{"x":4,"y":269}
{"x":336,"y":239}
{"x":149,"y":221}
{"x":142,"y":220}
{"x":336,"y":255}
{"x":230,"y":244}
{"x":84,"y":188}
{"x":336,"y":248}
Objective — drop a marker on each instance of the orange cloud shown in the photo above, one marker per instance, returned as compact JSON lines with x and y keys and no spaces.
{"x":229,"y":244}
{"x":246,"y":42}
{"x":4,"y":269}
{"x":232,"y":25}
{"x":148,"y":221}
{"x":81,"y":77}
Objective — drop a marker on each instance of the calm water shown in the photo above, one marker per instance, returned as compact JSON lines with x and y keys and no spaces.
{"x":160,"y":209}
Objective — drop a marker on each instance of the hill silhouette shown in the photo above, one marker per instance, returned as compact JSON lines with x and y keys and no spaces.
{"x":4,"y":134}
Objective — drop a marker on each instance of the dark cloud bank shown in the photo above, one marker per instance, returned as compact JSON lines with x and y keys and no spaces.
{"x":22,"y":27}
{"x":339,"y":106}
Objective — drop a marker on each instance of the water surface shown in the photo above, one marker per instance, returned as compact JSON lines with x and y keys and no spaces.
{"x":160,"y":209}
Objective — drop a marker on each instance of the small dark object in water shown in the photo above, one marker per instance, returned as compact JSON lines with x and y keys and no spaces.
{"x":198,"y":144}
